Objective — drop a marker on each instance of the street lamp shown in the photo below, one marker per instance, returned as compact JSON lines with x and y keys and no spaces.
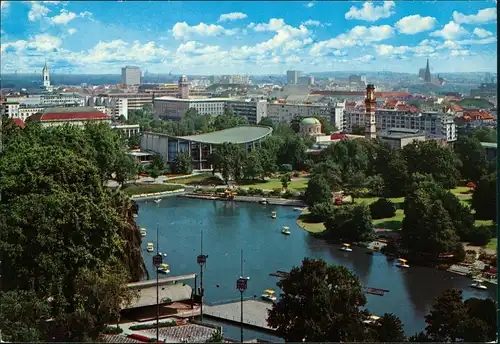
{"x":157,"y":261}
{"x":241,"y":285}
{"x":201,"y":259}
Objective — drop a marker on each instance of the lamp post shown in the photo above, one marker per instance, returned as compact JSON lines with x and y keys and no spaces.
{"x":157,"y":261}
{"x":201,"y":260}
{"x":241,"y":285}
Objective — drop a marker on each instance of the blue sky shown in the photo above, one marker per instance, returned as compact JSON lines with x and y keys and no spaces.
{"x":248,"y":37}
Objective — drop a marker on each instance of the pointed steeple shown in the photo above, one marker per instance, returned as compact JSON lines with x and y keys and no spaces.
{"x":427,"y":75}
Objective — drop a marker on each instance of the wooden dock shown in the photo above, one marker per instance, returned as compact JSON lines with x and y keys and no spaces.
{"x":254,"y":313}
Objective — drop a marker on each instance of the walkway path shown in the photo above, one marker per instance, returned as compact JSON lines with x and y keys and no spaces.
{"x":254,"y":312}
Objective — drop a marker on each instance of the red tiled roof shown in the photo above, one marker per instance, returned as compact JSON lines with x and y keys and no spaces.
{"x":86,"y":116}
{"x":18,"y":122}
{"x":338,"y":136}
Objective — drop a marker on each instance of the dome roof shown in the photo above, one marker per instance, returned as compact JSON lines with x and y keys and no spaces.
{"x":310,"y":120}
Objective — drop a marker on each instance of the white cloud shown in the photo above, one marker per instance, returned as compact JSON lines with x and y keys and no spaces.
{"x":482,"y":33}
{"x":85,"y":14}
{"x":45,"y":42}
{"x":71,"y":31}
{"x":357,"y":36}
{"x":273,"y":25}
{"x":119,"y":50}
{"x":232,"y":16}
{"x":370,"y":12}
{"x":196,"y":48}
{"x":63,"y":18}
{"x":451,"y":31}
{"x":448,"y":45}
{"x":52,"y":2}
{"x":483,"y":16}
{"x":309,"y":4}
{"x":411,"y":25}
{"x":366,"y":58}
{"x":459,"y":53}
{"x":37,"y":11}
{"x":387,"y":50}
{"x":4,"y":5}
{"x":487,"y":40}
{"x":183,"y":30}
{"x":311,"y":22}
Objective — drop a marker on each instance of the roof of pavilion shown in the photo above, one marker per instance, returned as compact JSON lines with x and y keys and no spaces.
{"x":238,"y":135}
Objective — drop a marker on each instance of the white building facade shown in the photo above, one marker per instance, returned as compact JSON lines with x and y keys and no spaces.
{"x":253,"y":110}
{"x":131,"y":75}
{"x":169,"y":108}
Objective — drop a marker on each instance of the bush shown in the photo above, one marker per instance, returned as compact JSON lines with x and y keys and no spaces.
{"x":479,"y":236}
{"x":285,"y":168}
{"x":242,"y":192}
{"x":220,"y":190}
{"x":112,"y":330}
{"x":290,"y":194}
{"x":276,"y":192}
{"x":459,"y":253}
{"x":382,"y":209}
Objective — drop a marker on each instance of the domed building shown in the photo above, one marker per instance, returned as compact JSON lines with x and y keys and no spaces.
{"x":310,"y":126}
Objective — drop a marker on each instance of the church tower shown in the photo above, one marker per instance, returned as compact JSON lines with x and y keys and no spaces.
{"x":46,"y":77}
{"x":183,"y":87}
{"x":370,"y":102}
{"x":427,"y":75}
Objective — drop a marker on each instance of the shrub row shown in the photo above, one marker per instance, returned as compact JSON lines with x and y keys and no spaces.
{"x":146,"y":326}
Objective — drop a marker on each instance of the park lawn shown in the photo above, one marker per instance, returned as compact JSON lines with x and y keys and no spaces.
{"x":202,"y":178}
{"x":370,"y":200}
{"x":479,"y":223}
{"x":492,"y":245}
{"x":394,"y":222}
{"x":305,"y":223}
{"x":275,"y":183}
{"x":137,"y":189}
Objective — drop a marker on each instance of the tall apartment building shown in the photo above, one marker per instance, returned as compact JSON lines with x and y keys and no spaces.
{"x":253,"y":110}
{"x":131,"y":75}
{"x":113,"y":107}
{"x":135,"y":101}
{"x":435,"y":125}
{"x":292,"y":77}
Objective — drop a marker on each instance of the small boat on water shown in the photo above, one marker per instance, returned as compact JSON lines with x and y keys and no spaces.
{"x":135,"y":216}
{"x":402,"y":263}
{"x":285,"y":230}
{"x":150,"y":247}
{"x":164,"y":269}
{"x":273,"y":215}
{"x":269,"y":295}
{"x":372,"y":320}
{"x":298,"y":209}
{"x":478,"y":284}
{"x":263,"y":201}
{"x":346,"y":248}
{"x":157,"y":200}
{"x":143,"y":231}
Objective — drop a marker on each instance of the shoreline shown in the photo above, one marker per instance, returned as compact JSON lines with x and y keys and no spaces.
{"x":251,"y":199}
{"x":163,"y":194}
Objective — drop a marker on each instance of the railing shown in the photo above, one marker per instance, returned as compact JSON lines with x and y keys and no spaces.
{"x":224,"y":302}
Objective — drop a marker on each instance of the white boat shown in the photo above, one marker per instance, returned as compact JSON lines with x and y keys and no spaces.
{"x":150,"y":247}
{"x":157,"y":200}
{"x":269,"y":295}
{"x":286,"y":231}
{"x":263,"y":201}
{"x":143,"y":231}
{"x":478,"y":284}
{"x":135,"y":216}
{"x":164,"y":269}
{"x":403,"y":263}
{"x":346,"y":248}
{"x":372,"y":320}
{"x":273,"y":215}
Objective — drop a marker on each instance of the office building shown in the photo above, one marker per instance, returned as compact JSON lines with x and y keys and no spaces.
{"x":77,"y":116}
{"x":397,"y":138}
{"x":253,"y":109}
{"x":292,"y":77}
{"x":131,"y":75}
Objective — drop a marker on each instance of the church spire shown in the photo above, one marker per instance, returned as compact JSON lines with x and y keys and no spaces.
{"x":427,"y":76}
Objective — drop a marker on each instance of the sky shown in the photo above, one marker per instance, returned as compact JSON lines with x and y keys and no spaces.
{"x":255,"y":38}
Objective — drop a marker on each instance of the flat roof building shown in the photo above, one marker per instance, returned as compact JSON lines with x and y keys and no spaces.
{"x":131,"y":75}
{"x":72,"y":115}
{"x":201,"y":146}
{"x":399,"y":137}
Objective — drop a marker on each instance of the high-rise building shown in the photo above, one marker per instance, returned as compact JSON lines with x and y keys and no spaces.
{"x":292,"y":77}
{"x":183,"y":87}
{"x":427,"y":76}
{"x":370,"y":102}
{"x":131,"y":75}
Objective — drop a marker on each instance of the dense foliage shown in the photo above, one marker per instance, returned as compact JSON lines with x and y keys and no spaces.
{"x":382,"y":208}
{"x":68,"y":243}
{"x":350,"y":223}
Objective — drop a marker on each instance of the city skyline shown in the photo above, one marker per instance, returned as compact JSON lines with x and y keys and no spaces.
{"x":248,"y":38}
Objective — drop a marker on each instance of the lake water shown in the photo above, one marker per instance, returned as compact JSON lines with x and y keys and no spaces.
{"x":229,"y":227}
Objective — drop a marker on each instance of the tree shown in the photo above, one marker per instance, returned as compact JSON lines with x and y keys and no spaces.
{"x":322,"y":211}
{"x":484,"y":200}
{"x":316,"y":286}
{"x":154,"y":173}
{"x":451,"y":319}
{"x":216,"y":337}
{"x":127,"y":169}
{"x":157,"y":163}
{"x":473,"y":158}
{"x":382,"y":208}
{"x":485,"y":134}
{"x":429,"y":157}
{"x":134,"y":140}
{"x":228,"y":159}
{"x":390,"y":329}
{"x":358,"y":130}
{"x":350,"y":223}
{"x":285,"y":180}
{"x":317,"y":191}
{"x":182,"y":164}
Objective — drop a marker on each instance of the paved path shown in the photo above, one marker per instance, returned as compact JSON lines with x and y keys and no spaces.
{"x":254,"y":312}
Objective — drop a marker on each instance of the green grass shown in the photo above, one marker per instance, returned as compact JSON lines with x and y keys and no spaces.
{"x":479,"y":223}
{"x":370,"y":200}
{"x":271,"y":184}
{"x":137,"y":189}
{"x":304,"y":221}
{"x":492,"y":245}
{"x":201,"y":179}
{"x":474,"y":103}
{"x":391,"y":222}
